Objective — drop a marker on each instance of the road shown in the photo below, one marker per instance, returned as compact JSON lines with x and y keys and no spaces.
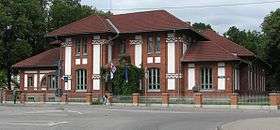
{"x":85,"y":117}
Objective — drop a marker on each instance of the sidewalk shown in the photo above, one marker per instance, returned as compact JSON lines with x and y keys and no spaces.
{"x":272,"y":123}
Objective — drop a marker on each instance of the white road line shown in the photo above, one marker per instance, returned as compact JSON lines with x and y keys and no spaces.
{"x":51,"y":124}
{"x":37,"y":123}
{"x":75,"y":112}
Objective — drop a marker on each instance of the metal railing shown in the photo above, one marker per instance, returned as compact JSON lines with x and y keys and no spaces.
{"x":181,"y":100}
{"x":122,"y":99}
{"x":215,"y":100}
{"x":249,"y":99}
{"x":150,"y":100}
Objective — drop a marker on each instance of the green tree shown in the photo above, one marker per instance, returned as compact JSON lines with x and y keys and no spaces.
{"x":201,"y":26}
{"x":271,"y":29}
{"x":252,"y":40}
{"x":63,"y":12}
{"x":2,"y":79}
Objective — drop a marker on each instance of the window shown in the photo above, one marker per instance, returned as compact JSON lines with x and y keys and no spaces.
{"x":81,"y":79}
{"x":52,"y":81}
{"x":206,"y":78}
{"x":158,"y":43}
{"x":30,"y":81}
{"x":44,"y":82}
{"x":81,"y":46}
{"x":84,"y":45}
{"x":154,"y":79}
{"x":78,"y":46}
{"x":150,"y":44}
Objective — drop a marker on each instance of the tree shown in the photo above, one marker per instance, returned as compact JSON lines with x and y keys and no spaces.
{"x":63,"y":12}
{"x":2,"y":79}
{"x":201,"y":26}
{"x":271,"y":29}
{"x":252,"y":40}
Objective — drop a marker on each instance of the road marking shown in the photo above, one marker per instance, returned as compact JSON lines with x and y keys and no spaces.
{"x":75,"y":112}
{"x":37,"y":123}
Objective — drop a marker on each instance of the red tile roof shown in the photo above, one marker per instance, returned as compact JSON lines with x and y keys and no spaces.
{"x":207,"y":51}
{"x":218,"y":48}
{"x":227,"y":44}
{"x":88,"y":25}
{"x":47,"y":58}
{"x":148,"y":21}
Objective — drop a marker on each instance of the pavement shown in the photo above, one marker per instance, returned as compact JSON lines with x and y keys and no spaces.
{"x":93,"y":117}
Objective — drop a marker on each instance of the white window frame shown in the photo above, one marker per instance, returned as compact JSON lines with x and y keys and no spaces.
{"x":206,"y":78}
{"x":154,"y":79}
{"x":81,"y":79}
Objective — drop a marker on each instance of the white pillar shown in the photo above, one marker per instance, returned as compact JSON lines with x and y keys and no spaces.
{"x":171,"y":60}
{"x":68,"y":62}
{"x":221,"y":76}
{"x":138,"y":51}
{"x":96,"y":62}
{"x":191,"y":76}
{"x":25,"y":81}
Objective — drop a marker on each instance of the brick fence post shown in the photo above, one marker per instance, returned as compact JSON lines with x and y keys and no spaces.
{"x":165,"y":99}
{"x":5,"y":96}
{"x":198,"y":99}
{"x":234,"y":100}
{"x":1,"y":95}
{"x":274,"y":99}
{"x":110,"y":98}
{"x":89,"y":98}
{"x":64,"y":98}
{"x":22,"y":97}
{"x":135,"y":99}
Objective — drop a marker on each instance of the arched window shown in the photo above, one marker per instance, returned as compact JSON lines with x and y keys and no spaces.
{"x":154,"y":79}
{"x":81,"y":79}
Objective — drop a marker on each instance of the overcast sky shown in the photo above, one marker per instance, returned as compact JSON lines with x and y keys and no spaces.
{"x":247,"y":17}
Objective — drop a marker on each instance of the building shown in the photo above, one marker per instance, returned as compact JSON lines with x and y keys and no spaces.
{"x":175,"y":57}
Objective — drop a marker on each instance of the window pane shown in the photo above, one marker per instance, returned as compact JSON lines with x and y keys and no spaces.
{"x":150,"y":44}
{"x":85,"y":46}
{"x":154,"y":79}
{"x":78,"y":45}
{"x":158,"y":43}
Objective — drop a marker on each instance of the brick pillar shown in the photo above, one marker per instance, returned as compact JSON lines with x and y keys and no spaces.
{"x":1,"y":96}
{"x":274,"y":99}
{"x":234,"y":100}
{"x":22,"y":97}
{"x":198,"y":99}
{"x":135,"y":98}
{"x":110,"y":98}
{"x":165,"y":99}
{"x":5,"y":96}
{"x":89,"y":98}
{"x":64,"y":98}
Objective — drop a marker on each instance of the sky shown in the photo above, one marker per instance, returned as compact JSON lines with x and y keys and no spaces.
{"x":247,"y":17}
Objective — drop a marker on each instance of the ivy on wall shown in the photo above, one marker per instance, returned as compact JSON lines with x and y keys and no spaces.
{"x":118,"y":85}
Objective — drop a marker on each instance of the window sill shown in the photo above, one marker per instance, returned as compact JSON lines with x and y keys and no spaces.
{"x":81,"y":91}
{"x":153,"y":90}
{"x":207,"y":90}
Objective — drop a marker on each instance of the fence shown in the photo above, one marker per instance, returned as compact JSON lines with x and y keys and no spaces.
{"x":262,"y":99}
{"x":216,"y":100}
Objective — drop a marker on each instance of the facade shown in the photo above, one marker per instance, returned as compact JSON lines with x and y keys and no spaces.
{"x":175,"y":58}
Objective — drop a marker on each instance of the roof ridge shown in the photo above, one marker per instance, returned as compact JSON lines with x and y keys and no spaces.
{"x":155,"y":10}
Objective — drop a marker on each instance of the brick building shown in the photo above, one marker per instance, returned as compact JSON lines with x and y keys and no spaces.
{"x":175,"y":57}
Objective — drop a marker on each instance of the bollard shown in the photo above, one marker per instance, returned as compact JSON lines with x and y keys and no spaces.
{"x":89,"y":98}
{"x":165,"y":99}
{"x":198,"y":99}
{"x":274,"y":99}
{"x":234,"y":100}
{"x":135,"y":99}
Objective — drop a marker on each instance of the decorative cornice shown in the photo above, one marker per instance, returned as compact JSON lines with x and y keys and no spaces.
{"x":67,"y":44}
{"x":174,"y":76}
{"x":96,"y":76}
{"x":99,"y":41}
{"x":136,"y":42}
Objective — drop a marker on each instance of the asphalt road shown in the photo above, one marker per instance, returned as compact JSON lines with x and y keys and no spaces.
{"x":85,"y":117}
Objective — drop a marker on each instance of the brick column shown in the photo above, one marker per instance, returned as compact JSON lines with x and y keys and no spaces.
{"x":165,"y":99}
{"x":274,"y":99}
{"x":234,"y":100}
{"x":64,"y":98}
{"x":89,"y":98}
{"x":135,"y":98}
{"x":198,"y":99}
{"x":22,"y":97}
{"x":1,"y":96}
{"x":110,"y":98}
